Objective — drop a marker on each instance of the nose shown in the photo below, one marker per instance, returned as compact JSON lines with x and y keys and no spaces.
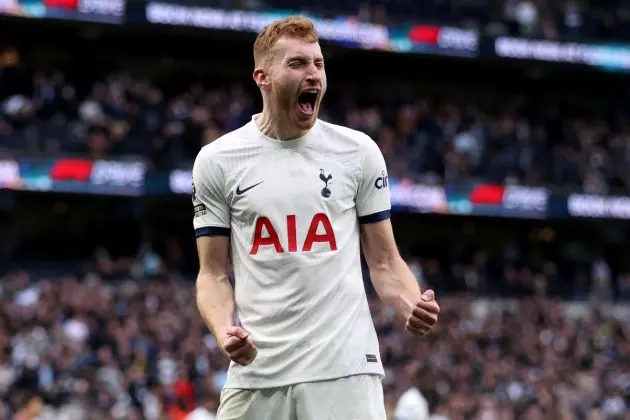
{"x":313,"y":74}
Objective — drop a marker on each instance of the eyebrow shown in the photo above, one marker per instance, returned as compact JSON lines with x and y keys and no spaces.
{"x":304,"y":57}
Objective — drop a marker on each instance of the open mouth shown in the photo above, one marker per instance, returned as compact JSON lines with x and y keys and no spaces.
{"x":306,"y":102}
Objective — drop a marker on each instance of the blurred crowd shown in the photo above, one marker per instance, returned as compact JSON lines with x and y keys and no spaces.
{"x":93,"y":350}
{"x":556,"y":19}
{"x":77,"y":346}
{"x":424,"y":138}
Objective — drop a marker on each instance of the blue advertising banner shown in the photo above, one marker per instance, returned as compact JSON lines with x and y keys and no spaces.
{"x":136,"y":179}
{"x":103,"y":11}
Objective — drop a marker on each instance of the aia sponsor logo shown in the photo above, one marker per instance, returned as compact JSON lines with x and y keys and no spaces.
{"x":319,"y":231}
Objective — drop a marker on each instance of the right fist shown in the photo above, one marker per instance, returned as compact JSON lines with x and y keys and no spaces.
{"x":237,"y":344}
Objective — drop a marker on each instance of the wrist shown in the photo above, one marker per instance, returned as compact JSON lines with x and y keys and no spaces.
{"x":406,"y":303}
{"x":221,"y":331}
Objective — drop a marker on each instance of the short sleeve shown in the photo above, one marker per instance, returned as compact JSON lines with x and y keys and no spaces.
{"x":211,"y":210}
{"x":373,"y":198}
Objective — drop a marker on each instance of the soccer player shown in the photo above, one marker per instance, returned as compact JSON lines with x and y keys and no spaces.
{"x":293,"y":198}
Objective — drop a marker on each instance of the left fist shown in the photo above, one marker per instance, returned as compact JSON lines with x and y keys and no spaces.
{"x":424,"y":315}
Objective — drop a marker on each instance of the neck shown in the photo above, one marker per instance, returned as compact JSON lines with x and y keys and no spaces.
{"x":277,"y":126}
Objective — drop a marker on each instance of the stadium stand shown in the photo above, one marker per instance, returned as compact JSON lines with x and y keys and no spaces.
{"x":427,"y":137}
{"x":96,"y":320}
{"x":557,"y":19}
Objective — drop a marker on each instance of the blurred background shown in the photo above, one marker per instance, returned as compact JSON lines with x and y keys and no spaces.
{"x":506,"y":129}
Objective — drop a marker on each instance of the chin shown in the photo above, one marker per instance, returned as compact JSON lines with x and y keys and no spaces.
{"x":307,"y":124}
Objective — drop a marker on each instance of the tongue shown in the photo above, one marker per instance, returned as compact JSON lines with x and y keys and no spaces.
{"x":306,"y":107}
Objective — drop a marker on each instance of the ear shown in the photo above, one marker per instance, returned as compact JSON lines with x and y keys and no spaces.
{"x":261,"y":78}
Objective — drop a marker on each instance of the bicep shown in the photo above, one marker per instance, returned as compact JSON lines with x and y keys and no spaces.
{"x":377,"y":240}
{"x":213,"y":254}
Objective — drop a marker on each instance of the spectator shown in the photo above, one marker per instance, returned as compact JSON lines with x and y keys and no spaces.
{"x":412,"y":404}
{"x":526,"y":16}
{"x":31,"y":408}
{"x":207,"y":410}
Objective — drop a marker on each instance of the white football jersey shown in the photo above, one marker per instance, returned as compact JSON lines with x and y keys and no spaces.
{"x":292,"y":210}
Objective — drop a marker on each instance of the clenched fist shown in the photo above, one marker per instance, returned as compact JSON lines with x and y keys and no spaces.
{"x":237,"y":344}
{"x":424,"y":314}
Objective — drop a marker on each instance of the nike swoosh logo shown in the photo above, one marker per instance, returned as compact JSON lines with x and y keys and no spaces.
{"x":244,"y":190}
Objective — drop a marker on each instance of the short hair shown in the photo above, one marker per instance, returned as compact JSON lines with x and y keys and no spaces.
{"x":299,"y":27}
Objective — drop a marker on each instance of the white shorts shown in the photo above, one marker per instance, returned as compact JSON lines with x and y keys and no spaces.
{"x":358,"y":397}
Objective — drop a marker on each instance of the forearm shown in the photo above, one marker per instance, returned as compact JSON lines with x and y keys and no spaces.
{"x":396,"y":285}
{"x":215,"y":301}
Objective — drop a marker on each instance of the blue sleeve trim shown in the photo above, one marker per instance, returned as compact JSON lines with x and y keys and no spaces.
{"x":375,"y":217}
{"x":212,"y":231}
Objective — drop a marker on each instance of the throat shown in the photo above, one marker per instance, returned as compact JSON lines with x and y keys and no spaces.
{"x":278,"y":128}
